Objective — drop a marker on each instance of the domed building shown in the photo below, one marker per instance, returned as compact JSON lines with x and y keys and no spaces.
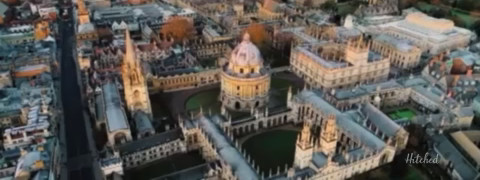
{"x":245,"y":81}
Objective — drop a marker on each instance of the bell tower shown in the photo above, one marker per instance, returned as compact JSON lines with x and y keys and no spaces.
{"x":134,"y":83}
{"x":82,"y":13}
{"x":328,"y":136}
{"x":304,"y":147}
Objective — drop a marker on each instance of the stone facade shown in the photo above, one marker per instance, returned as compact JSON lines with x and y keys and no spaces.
{"x":331,"y":65}
{"x":134,"y":82}
{"x":245,"y":82}
{"x":402,"y":53}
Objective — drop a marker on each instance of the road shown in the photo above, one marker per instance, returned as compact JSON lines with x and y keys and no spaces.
{"x":80,"y":158}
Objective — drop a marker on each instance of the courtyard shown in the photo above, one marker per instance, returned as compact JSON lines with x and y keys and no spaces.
{"x":402,"y":113}
{"x":272,"y":149}
{"x":208,"y":99}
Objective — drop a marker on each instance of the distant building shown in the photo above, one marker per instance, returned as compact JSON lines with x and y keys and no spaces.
{"x":153,"y":14}
{"x":458,"y":153}
{"x":328,"y":65}
{"x":431,"y":35}
{"x":402,"y":52}
{"x":440,"y":110}
{"x":17,"y":34}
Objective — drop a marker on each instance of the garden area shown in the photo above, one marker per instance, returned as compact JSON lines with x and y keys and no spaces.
{"x":208,"y":100}
{"x":272,"y":149}
{"x":460,"y":13}
{"x":402,"y":113}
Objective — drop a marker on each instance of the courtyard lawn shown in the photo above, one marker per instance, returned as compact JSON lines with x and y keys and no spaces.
{"x":346,"y":8}
{"x":272,"y":149}
{"x":205,"y":99}
{"x":402,"y":113}
{"x":279,"y":91}
{"x":467,"y":19}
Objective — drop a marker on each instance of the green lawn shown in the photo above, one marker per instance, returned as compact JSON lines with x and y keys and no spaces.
{"x":272,"y":149}
{"x":205,"y":99}
{"x":279,"y":91}
{"x":346,"y":8}
{"x":466,"y":18}
{"x":402,"y":113}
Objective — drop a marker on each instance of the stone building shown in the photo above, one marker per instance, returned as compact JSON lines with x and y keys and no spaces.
{"x":134,"y":81}
{"x":431,"y":35}
{"x":116,"y":122}
{"x":271,"y":10}
{"x":151,"y":148}
{"x":437,"y":107}
{"x":328,"y":65}
{"x":378,"y":8}
{"x":245,"y":82}
{"x":402,"y":52}
{"x":348,"y":143}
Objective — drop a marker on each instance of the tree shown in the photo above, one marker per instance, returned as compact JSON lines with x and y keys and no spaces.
{"x":179,"y":28}
{"x":476,"y":27}
{"x":328,"y":6}
{"x":439,"y":13}
{"x":258,"y":34}
{"x":458,"y":22}
{"x":466,"y":5}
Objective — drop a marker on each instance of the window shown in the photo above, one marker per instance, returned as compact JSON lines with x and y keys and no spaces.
{"x":241,"y":70}
{"x":238,"y":87}
{"x":252,"y":70}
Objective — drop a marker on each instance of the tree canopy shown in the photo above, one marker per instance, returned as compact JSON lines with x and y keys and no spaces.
{"x":258,"y":34}
{"x":179,"y":28}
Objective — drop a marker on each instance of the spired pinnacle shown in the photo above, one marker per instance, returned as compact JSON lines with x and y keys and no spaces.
{"x":246,"y":37}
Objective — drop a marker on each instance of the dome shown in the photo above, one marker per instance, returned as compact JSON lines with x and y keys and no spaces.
{"x":246,"y":53}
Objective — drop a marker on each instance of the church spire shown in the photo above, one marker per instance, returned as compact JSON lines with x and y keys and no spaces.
{"x":129,"y":50}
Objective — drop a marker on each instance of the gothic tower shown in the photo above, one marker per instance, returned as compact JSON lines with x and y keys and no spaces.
{"x":134,"y":83}
{"x":304,"y":147}
{"x":328,"y":136}
{"x":357,"y":51}
{"x":82,"y":13}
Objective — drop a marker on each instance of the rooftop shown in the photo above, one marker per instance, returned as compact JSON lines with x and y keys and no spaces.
{"x":151,"y":141}
{"x":347,"y":121}
{"x":241,"y":168}
{"x":400,"y":44}
{"x":449,"y":151}
{"x":115,"y":114}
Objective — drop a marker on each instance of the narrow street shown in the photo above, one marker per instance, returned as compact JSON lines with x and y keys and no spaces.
{"x":80,"y":160}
